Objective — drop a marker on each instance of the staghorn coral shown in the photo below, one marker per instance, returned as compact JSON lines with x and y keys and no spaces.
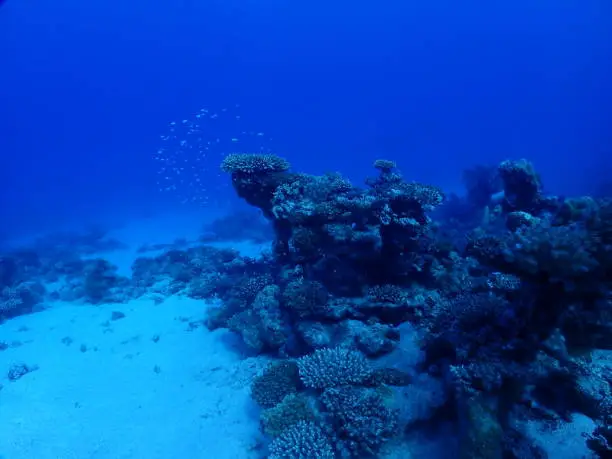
{"x":333,"y":367}
{"x":390,"y":377}
{"x":504,"y":282}
{"x":307,"y":198}
{"x":559,"y":252}
{"x":387,"y":293}
{"x":291,"y":410}
{"x":362,"y":421}
{"x":278,"y":380}
{"x":304,"y":440}
{"x":305,"y":298}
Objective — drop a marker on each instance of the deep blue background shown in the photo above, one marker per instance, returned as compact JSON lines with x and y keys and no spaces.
{"x":87,"y":87}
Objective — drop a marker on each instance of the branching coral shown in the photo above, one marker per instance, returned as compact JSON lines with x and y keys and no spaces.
{"x":277,"y":381}
{"x":362,"y":420}
{"x":326,"y":368}
{"x":304,"y":440}
{"x":305,"y":298}
{"x":291,"y":410}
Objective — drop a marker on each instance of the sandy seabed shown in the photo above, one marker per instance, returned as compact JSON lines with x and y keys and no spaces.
{"x":153,"y":384}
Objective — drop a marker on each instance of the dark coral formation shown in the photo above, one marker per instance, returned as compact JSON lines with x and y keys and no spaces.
{"x":60,"y":266}
{"x":502,"y":300}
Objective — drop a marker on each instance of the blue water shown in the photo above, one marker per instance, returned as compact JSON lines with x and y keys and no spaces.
{"x":88,"y":88}
{"x":115,"y":117}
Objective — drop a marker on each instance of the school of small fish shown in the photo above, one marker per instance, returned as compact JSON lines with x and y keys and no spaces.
{"x":192,"y":149}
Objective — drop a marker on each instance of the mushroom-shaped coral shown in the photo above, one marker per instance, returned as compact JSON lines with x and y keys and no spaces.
{"x":251,"y":163}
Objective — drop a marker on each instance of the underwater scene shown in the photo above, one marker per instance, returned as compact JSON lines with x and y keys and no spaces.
{"x":305,"y":230}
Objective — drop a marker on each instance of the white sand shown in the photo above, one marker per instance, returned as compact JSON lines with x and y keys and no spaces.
{"x":126,"y":395}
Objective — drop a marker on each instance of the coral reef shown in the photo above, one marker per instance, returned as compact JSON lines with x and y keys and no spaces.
{"x":506,"y":295}
{"x":352,"y":264}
